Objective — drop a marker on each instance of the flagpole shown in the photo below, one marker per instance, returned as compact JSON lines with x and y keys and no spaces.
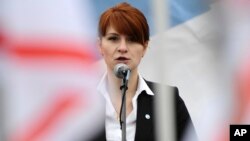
{"x":164,"y":100}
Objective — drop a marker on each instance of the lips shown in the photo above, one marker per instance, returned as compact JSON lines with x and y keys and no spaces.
{"x":122,"y":58}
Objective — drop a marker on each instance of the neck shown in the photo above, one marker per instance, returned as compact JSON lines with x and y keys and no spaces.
{"x":114,"y":84}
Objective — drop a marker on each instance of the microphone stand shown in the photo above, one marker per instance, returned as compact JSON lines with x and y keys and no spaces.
{"x":124,"y":88}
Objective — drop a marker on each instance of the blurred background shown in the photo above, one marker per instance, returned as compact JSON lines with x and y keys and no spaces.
{"x":47,"y":80}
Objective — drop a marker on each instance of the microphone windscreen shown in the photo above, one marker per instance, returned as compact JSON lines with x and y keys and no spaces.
{"x":120,"y":69}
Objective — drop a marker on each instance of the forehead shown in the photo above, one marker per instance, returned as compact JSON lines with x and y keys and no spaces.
{"x":110,"y":29}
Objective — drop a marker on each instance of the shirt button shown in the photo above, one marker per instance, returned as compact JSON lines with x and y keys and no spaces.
{"x":147,"y":116}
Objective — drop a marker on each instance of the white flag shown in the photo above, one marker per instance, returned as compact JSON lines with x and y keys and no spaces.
{"x":48,"y":84}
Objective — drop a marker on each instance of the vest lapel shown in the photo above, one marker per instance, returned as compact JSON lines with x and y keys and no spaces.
{"x":145,"y":118}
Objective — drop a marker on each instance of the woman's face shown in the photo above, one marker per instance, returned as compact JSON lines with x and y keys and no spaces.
{"x":116,"y":48}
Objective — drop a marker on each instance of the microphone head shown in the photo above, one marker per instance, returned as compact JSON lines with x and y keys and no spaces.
{"x":120,"y":70}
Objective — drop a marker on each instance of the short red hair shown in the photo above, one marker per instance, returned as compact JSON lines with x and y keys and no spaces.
{"x":127,"y":20}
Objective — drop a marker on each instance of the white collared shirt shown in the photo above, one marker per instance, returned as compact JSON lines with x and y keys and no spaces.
{"x":112,"y":125}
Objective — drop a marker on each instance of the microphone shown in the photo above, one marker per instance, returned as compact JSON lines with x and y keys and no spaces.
{"x":122,"y":71}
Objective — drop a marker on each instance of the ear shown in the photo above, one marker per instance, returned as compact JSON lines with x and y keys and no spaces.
{"x":99,"y":44}
{"x":145,"y":46}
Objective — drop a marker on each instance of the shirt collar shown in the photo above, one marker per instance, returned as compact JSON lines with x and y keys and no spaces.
{"x":142,"y":85}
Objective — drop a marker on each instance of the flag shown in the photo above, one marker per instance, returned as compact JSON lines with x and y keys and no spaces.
{"x":47,"y":49}
{"x":189,"y":55}
{"x":236,"y":65}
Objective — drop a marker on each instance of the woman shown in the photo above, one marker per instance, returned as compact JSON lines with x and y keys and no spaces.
{"x":123,"y":38}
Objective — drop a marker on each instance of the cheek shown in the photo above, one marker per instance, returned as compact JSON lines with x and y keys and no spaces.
{"x":139,"y":54}
{"x":106,"y":52}
{"x":103,"y":49}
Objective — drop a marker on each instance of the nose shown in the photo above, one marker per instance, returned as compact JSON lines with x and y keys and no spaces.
{"x":123,"y":48}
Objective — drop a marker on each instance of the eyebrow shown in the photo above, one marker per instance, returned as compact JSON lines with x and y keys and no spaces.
{"x":116,"y":34}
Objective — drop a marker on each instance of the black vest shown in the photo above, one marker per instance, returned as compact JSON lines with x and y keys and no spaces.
{"x":145,"y":128}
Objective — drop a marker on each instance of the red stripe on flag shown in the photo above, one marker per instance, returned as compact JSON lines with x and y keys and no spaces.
{"x":242,"y":89}
{"x":57,"y":109}
{"x":63,"y":49}
{"x":33,"y":52}
{"x":2,"y":38}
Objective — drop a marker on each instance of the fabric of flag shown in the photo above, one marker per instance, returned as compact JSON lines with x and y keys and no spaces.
{"x":237,"y":66}
{"x":47,"y":48}
{"x":242,"y":92}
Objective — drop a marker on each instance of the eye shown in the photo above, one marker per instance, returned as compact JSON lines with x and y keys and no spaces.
{"x":113,"y":38}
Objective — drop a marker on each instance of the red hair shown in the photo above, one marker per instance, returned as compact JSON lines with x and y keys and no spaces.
{"x":127,"y":20}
